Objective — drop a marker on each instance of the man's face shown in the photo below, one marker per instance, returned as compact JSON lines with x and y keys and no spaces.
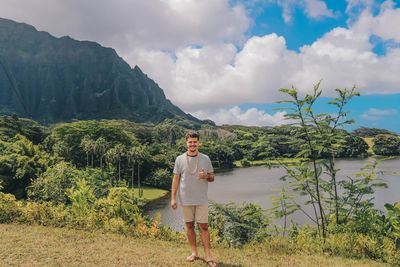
{"x":192,"y":144}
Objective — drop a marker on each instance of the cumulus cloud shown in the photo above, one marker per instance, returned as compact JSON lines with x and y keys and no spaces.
{"x":129,"y":24}
{"x":196,"y":51}
{"x":249,"y":117}
{"x":375,"y":114}
{"x":315,"y":9}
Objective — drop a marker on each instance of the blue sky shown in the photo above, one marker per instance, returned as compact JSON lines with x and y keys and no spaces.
{"x":373,"y":110}
{"x":226,"y":59}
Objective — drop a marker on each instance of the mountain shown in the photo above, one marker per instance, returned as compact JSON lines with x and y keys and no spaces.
{"x":53,"y":79}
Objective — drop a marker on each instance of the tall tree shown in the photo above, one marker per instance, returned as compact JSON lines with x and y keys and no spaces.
{"x":88,"y":145}
{"x":101,"y":146}
{"x":318,"y":138}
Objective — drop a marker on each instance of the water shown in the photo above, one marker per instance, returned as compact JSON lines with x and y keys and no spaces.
{"x":258,"y":184}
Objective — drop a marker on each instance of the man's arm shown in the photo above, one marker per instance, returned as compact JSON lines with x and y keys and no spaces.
{"x":175,"y":185}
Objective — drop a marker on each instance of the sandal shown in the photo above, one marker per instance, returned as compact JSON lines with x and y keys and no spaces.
{"x":192,"y":258}
{"x":211,"y":263}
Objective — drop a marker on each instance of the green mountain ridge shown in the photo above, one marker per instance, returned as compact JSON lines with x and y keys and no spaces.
{"x":53,"y":79}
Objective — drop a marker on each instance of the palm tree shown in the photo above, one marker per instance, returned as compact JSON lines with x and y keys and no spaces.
{"x":101,"y":146}
{"x":120,"y":152}
{"x":88,"y":146}
{"x":133,"y":155}
{"x":137,"y":155}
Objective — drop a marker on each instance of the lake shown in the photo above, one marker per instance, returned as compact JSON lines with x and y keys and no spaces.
{"x":258,"y":184}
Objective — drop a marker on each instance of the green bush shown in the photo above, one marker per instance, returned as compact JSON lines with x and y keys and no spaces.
{"x":161,"y":178}
{"x":9,"y":208}
{"x":238,"y":224}
{"x":245,"y":163}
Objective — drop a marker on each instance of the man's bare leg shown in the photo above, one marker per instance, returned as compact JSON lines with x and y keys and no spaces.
{"x":205,"y":238}
{"x":191,"y":236}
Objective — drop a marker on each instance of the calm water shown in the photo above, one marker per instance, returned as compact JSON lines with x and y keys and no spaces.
{"x":258,"y":184}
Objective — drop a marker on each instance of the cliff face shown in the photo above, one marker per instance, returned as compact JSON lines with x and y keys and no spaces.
{"x":57,"y":79}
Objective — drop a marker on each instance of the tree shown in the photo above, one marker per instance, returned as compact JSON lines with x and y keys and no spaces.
{"x":100,"y":148}
{"x":138,"y":155}
{"x":318,"y":138}
{"x":88,"y":145}
{"x":386,"y":145}
{"x":21,"y":162}
{"x":354,"y":146}
{"x":114,"y":155}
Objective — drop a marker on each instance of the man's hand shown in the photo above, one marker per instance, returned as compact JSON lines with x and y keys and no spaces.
{"x":173,"y":204}
{"x":203,"y":174}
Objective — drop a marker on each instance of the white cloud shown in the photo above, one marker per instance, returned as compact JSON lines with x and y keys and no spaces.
{"x":375,"y":114}
{"x":315,"y":9}
{"x":130,"y":24}
{"x":249,"y":117}
{"x":190,"y":48}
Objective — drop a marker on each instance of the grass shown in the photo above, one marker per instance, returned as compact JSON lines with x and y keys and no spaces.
{"x":151,"y":193}
{"x":289,"y":161}
{"x":370,"y":143}
{"x":23,"y":245}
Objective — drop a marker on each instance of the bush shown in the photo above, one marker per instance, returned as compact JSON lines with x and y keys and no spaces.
{"x":238,"y":224}
{"x":386,"y":145}
{"x":9,"y":208}
{"x":245,"y":163}
{"x":161,"y":178}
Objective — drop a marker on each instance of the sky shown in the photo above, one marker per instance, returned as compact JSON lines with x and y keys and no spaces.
{"x":225,"y":60}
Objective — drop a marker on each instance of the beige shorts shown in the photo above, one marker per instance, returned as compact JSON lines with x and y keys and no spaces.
{"x":197,"y":213}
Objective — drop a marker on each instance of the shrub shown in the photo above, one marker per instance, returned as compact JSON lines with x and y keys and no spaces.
{"x":238,"y":224}
{"x":161,"y":178}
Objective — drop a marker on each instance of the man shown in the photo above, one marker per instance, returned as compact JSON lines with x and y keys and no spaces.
{"x":192,"y":173}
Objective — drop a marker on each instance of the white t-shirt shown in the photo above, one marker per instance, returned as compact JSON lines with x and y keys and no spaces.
{"x":192,"y":190}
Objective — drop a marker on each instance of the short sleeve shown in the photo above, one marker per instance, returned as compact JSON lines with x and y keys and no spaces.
{"x":209,"y":165}
{"x":177,"y":166}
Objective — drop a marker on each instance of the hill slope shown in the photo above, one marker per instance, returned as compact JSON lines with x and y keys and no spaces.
{"x":57,"y":79}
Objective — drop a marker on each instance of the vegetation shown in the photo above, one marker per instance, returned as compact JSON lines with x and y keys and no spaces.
{"x":386,"y":145}
{"x":98,"y":175}
{"x":46,"y":246}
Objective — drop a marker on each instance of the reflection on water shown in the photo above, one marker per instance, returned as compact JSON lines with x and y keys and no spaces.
{"x":258,"y":184}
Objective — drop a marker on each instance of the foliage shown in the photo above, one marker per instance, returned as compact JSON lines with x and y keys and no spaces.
{"x":354,"y":146}
{"x":161,"y":178}
{"x":67,"y":139}
{"x":238,"y":225}
{"x":20,"y":163}
{"x":386,"y":145}
{"x":53,"y":184}
{"x":371,"y":132}
{"x":319,"y":140}
{"x":393,"y":222}
{"x":12,"y":125}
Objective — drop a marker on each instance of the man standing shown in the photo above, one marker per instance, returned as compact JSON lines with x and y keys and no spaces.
{"x":192,"y":173}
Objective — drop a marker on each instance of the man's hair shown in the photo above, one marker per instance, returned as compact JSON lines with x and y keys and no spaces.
{"x":192,"y":134}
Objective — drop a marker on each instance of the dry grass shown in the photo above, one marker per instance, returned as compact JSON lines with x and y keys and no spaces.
{"x":370,"y":142}
{"x":23,"y":245}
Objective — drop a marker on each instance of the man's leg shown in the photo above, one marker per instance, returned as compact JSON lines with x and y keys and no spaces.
{"x":205,"y":238}
{"x":191,"y":236}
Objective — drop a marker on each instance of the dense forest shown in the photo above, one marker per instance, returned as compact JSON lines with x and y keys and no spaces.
{"x":128,"y":153}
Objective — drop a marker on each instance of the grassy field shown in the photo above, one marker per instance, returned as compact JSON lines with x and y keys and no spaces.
{"x":370,"y":142}
{"x":23,"y":245}
{"x":151,"y":193}
{"x":289,"y":161}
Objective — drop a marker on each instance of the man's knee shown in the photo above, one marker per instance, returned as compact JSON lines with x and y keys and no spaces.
{"x":203,"y":226}
{"x":189,"y":225}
